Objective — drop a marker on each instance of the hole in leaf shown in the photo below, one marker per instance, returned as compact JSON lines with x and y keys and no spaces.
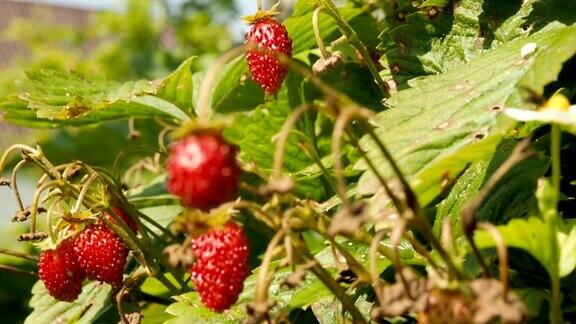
{"x":479,"y":135}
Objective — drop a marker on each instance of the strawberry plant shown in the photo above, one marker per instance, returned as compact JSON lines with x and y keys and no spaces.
{"x":359,"y":161}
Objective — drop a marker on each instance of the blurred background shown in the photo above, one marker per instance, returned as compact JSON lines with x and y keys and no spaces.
{"x":115,"y":39}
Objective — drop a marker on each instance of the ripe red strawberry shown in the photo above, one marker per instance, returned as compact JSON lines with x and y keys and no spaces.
{"x":101,"y":253}
{"x":202,"y":170}
{"x":60,"y":272}
{"x":268,"y":34}
{"x":221,"y":266}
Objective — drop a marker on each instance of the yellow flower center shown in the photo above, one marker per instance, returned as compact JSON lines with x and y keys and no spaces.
{"x":557,"y":102}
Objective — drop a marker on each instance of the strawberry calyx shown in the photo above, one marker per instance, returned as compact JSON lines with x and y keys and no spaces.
{"x":195,"y":127}
{"x":196,"y":222}
{"x":262,"y":14}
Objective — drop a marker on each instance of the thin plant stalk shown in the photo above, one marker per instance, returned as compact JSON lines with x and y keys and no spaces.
{"x":317,"y":34}
{"x":261,"y":289}
{"x":552,"y":220}
{"x":353,"y":39}
{"x":502,"y":255}
{"x":205,"y":109}
{"x":14,"y":183}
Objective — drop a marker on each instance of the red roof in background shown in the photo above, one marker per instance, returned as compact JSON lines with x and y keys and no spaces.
{"x":9,"y":50}
{"x":49,"y":14}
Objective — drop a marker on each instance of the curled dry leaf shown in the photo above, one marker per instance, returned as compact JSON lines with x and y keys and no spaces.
{"x":349,"y":220}
{"x":327,"y":64}
{"x":397,"y":301}
{"x":280,"y":186}
{"x":489,"y":305}
{"x":178,"y":256}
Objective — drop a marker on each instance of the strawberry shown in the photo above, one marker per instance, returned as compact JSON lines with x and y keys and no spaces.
{"x":101,"y":253}
{"x":60,"y":272}
{"x":268,"y":34}
{"x":202,"y":170}
{"x":221,"y":266}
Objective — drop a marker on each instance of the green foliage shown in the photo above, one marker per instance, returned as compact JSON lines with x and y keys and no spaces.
{"x":93,"y":302}
{"x":415,"y":44}
{"x":535,"y":236}
{"x":62,"y":99}
{"x":513,"y":198}
{"x":235,"y":90}
{"x":255,"y":133}
{"x":434,"y":138}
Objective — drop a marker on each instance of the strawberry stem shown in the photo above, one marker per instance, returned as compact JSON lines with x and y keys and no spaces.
{"x":339,"y":128}
{"x":15,"y":270}
{"x":18,"y":254}
{"x":282,"y":138}
{"x":352,"y":37}
{"x":317,"y":35}
{"x":262,"y":283}
{"x":555,"y":146}
{"x":502,"y":254}
{"x":14,"y":183}
{"x":331,"y":284}
{"x":6,"y":155}
{"x":82,"y":194}
{"x":552,"y":218}
{"x":204,"y":110}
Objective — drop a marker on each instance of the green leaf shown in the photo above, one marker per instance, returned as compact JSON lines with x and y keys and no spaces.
{"x":178,"y":87}
{"x":56,"y":99}
{"x":449,"y":120}
{"x":154,"y":194}
{"x":435,"y":3}
{"x":154,"y":313}
{"x":299,"y":27}
{"x":254,"y":133}
{"x":329,"y":310}
{"x":235,"y":91}
{"x":535,"y":236}
{"x":92,"y":302}
{"x":512,"y":197}
{"x":421,"y":44}
{"x":355,"y":82}
{"x":161,"y":105}
{"x":532,"y":299}
{"x":188,"y":307}
{"x":567,"y":243}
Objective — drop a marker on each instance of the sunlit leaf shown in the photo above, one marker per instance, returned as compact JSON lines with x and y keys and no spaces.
{"x":92,"y":302}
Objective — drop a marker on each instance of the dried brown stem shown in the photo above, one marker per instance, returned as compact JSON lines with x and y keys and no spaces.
{"x":339,"y":127}
{"x":15,"y":270}
{"x":521,"y":152}
{"x":204,"y":105}
{"x":18,"y":254}
{"x":282,"y":138}
{"x":14,"y":183}
{"x":502,"y":254}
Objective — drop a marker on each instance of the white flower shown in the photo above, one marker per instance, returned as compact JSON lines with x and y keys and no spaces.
{"x":556,"y":111}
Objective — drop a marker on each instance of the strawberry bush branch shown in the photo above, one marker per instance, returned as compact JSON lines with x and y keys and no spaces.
{"x":352,"y":37}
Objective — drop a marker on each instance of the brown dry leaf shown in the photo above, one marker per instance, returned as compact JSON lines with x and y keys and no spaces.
{"x":348,"y":221}
{"x":489,"y":305}
{"x":397,"y":301}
